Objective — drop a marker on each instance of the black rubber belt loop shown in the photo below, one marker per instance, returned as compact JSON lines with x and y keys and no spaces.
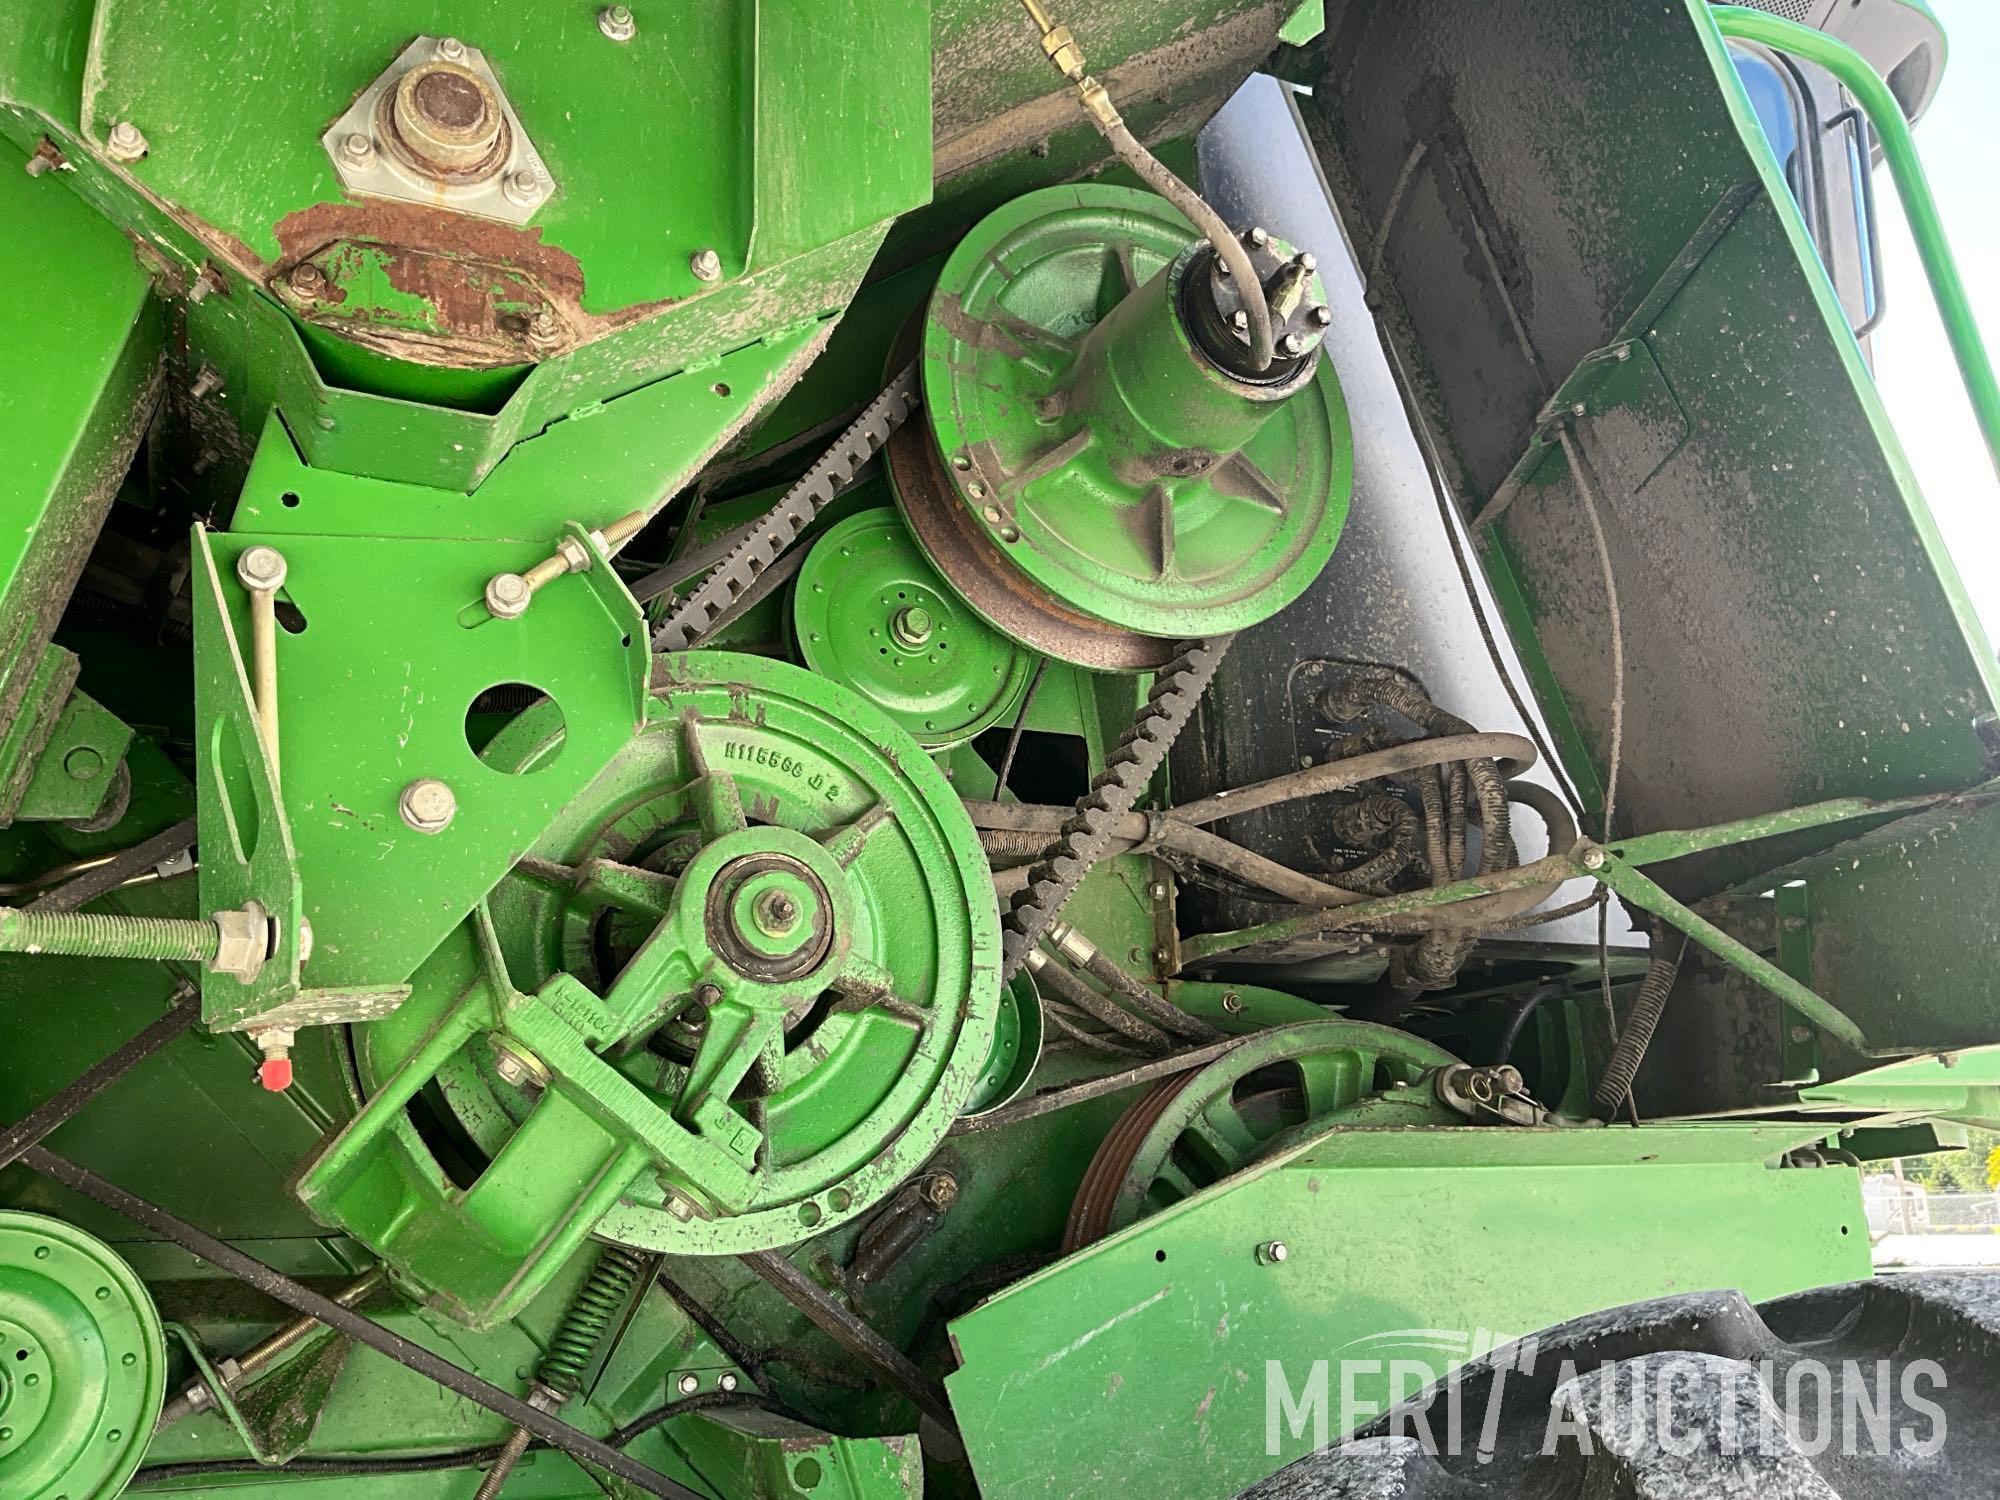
{"x":32,"y":1128}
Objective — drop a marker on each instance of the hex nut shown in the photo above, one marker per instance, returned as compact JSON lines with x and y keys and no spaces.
{"x":245,"y":942}
{"x":725,"y":1382}
{"x":507,"y":596}
{"x":125,"y":143}
{"x":706,"y":265}
{"x":616,"y":22}
{"x":687,"y":1385}
{"x":941,"y":1191}
{"x":1272,"y":1252}
{"x":427,"y":805}
{"x":357,"y":148}
{"x":523,"y":188}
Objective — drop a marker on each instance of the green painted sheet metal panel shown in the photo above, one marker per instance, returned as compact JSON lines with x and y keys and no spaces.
{"x":1401,"y":1245}
{"x":695,"y":134}
{"x":76,"y":395}
{"x":1538,"y":185}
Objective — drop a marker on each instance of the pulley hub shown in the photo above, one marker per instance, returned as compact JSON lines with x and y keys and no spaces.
{"x":1104,"y":475}
{"x":734,"y":996}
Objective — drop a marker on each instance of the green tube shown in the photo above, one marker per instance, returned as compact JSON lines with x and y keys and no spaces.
{"x":1899,"y":148}
{"x":73,"y":934}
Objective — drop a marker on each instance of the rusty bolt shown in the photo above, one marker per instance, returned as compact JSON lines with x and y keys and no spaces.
{"x":307,"y":279}
{"x":706,"y":265}
{"x":616,"y":22}
{"x":125,"y":143}
{"x":941,"y":1191}
{"x":544,"y":331}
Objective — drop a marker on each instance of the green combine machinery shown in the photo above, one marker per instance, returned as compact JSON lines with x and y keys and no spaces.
{"x":800,"y":748}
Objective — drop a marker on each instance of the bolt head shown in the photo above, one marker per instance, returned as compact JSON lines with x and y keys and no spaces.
{"x":687,"y":1385}
{"x":941,"y":1191}
{"x":307,"y":279}
{"x":1232,"y":1002}
{"x":1272,"y":1252}
{"x":706,"y":265}
{"x":1321,"y":315}
{"x":261,"y":569}
{"x":1258,"y":237}
{"x":1593,"y":859}
{"x":1306,"y":261}
{"x":616,"y":22}
{"x":725,"y":1382}
{"x":428,"y":805}
{"x":679,"y":1207}
{"x":523,"y":188}
{"x":1157,"y":891}
{"x":1293,"y":344}
{"x":911,"y":626}
{"x":357,"y":148}
{"x":1579,"y":410}
{"x":1801,"y":1034}
{"x":507,"y":596}
{"x":450,"y":48}
{"x":126,"y":143}
{"x":1239,"y":320}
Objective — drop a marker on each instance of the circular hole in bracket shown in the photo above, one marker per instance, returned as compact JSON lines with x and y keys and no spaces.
{"x":493,"y":710}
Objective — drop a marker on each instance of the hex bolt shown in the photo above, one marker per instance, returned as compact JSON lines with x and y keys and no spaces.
{"x":450,"y":48}
{"x":616,"y":22}
{"x":508,"y":595}
{"x":125,"y":143}
{"x":1157,"y":891}
{"x":725,"y":1382}
{"x":207,"y":382}
{"x":522,"y":188}
{"x":427,"y":805}
{"x":261,"y":570}
{"x":1257,"y":237}
{"x":1232,"y":1002}
{"x":1272,"y":1253}
{"x":1321,"y":315}
{"x":1593,"y":859}
{"x":1240,"y":320}
{"x":911,"y":626}
{"x":1801,"y":1034}
{"x":687,"y":1385}
{"x":1293,"y":344}
{"x":941,"y":1191}
{"x":356,"y":149}
{"x":306,"y":279}
{"x":1306,"y":261}
{"x":544,"y":331}
{"x":706,"y":265}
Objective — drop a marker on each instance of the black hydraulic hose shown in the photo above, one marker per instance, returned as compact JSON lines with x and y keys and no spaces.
{"x":1151,"y":1006}
{"x":1101,"y":1008}
{"x":1637,"y":1034}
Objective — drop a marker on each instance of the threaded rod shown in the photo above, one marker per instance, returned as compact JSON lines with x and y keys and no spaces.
{"x":75,"y":934}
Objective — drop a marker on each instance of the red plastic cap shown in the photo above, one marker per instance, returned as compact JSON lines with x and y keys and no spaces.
{"x":275,"y":1073}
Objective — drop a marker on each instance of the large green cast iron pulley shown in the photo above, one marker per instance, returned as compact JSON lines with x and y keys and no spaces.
{"x":733,"y":997}
{"x":83,"y":1363}
{"x":1099,"y":473}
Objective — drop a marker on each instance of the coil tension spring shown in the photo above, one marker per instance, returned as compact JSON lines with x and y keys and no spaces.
{"x":560,"y":1374}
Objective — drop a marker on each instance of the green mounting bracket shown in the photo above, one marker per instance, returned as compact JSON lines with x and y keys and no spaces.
{"x":770,"y":1455}
{"x":36,"y":713}
{"x":77,"y":776}
{"x":393,"y":632}
{"x":277,"y":1417}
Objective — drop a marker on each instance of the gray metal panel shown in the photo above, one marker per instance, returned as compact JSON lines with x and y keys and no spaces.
{"x":1542,"y":182}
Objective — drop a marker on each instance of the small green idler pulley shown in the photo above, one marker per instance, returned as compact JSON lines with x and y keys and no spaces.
{"x":870,"y":611}
{"x":83,"y":1363}
{"x":1017,"y":1048}
{"x":1103,"y":472}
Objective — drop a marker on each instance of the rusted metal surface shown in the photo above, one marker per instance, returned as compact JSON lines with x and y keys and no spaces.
{"x":990,"y":583}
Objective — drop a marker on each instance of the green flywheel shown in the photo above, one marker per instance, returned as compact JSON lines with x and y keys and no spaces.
{"x":82,"y":1363}
{"x":869,"y":610}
